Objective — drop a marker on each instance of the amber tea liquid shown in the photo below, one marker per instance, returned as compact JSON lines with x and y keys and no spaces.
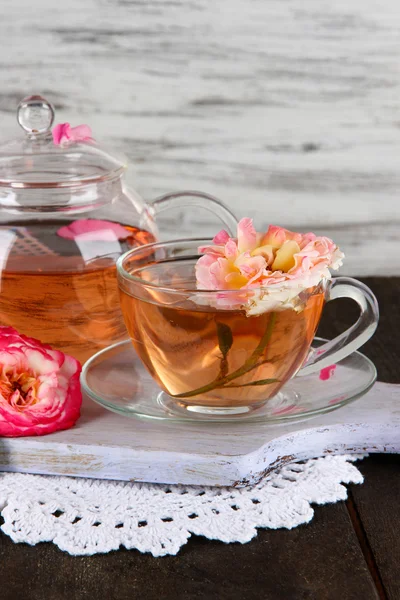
{"x":181,"y":347}
{"x":60,"y":291}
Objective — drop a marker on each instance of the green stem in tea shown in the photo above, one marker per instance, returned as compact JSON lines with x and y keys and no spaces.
{"x":225,"y":341}
{"x":249,"y":365}
{"x":252,"y":383}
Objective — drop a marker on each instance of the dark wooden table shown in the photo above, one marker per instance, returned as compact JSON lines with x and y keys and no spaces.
{"x":351,"y":550}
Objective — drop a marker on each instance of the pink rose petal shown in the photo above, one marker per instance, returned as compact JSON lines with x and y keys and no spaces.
{"x":221,"y":238}
{"x":231,"y":249}
{"x":247,"y":235}
{"x":101,"y":230}
{"x":64,"y":133}
{"x":61,"y":132}
{"x":327,"y":372}
{"x":80,"y":133}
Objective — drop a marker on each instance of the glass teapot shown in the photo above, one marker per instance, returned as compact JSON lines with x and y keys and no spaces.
{"x":66,"y":216}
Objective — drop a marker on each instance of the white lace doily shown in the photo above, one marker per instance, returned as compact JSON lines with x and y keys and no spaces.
{"x":87,"y":516}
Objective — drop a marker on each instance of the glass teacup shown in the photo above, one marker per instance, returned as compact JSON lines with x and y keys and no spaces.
{"x":205,"y":351}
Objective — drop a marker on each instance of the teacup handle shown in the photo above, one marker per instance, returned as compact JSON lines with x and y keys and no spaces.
{"x":201,"y":199}
{"x":354,"y":337}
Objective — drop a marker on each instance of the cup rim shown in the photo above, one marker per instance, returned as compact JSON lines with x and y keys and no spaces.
{"x":123,"y":273}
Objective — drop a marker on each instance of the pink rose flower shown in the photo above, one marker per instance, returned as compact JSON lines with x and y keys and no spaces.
{"x":39,"y":387}
{"x":94,"y":230}
{"x":281,"y":261}
{"x":63,"y":133}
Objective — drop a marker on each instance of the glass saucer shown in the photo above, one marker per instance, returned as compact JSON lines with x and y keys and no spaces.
{"x":116,"y":379}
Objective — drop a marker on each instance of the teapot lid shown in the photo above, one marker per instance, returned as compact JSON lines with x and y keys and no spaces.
{"x":64,"y":157}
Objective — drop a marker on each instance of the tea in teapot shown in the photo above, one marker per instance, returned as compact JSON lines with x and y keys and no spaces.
{"x":66,"y":216}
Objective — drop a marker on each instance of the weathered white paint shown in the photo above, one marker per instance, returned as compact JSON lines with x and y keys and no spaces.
{"x":105,"y":445}
{"x":288,"y":111}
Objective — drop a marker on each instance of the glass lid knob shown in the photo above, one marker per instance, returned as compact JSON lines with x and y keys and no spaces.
{"x":35,"y":115}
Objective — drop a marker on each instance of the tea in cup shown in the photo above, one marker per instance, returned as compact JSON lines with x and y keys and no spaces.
{"x":226,"y":351}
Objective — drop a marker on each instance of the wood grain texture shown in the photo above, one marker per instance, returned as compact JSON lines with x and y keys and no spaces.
{"x":377,"y":504}
{"x":288,"y":111}
{"x":320,"y":561}
{"x":107,"y":446}
{"x":153,"y":451}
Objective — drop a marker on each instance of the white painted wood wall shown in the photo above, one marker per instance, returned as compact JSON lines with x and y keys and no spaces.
{"x":287,"y":110}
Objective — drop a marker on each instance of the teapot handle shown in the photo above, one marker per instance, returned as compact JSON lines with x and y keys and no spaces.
{"x":201,"y":199}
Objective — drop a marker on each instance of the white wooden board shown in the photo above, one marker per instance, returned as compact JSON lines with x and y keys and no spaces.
{"x":289,"y":111}
{"x":105,"y":445}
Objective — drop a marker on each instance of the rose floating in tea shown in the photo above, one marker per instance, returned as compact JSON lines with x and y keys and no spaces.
{"x":39,"y":387}
{"x":271,"y":268}
{"x":279,"y":274}
{"x":226,"y":331}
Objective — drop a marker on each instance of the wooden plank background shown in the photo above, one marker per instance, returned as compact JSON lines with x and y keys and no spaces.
{"x":288,"y":111}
